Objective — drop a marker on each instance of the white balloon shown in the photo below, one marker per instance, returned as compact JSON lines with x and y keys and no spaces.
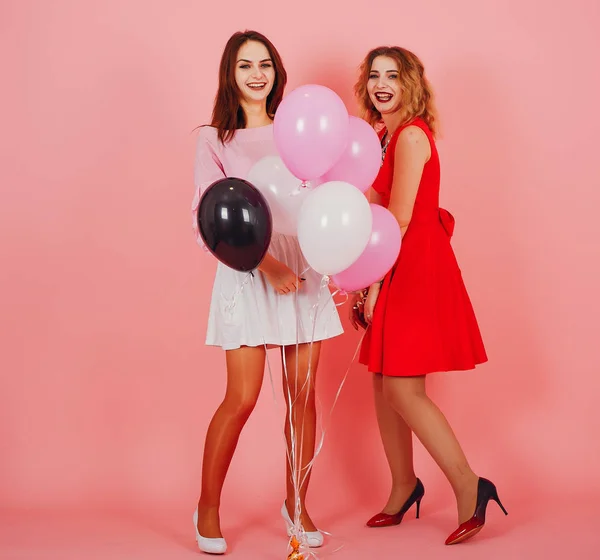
{"x":284,"y":192}
{"x":334,"y":226}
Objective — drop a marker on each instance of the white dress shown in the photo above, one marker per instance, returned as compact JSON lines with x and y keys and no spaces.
{"x":245,"y":309}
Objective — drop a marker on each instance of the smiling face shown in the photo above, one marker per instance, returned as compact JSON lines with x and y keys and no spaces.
{"x":254,"y":72}
{"x":383,"y":85}
{"x":392,"y":89}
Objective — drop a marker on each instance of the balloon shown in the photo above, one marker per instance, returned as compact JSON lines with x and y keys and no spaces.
{"x":311,"y":130}
{"x":235,"y":223}
{"x":284,"y":192}
{"x":361,"y":159}
{"x":378,"y":257}
{"x":334,"y":226}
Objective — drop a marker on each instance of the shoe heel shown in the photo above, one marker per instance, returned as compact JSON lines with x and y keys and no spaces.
{"x":497,"y":500}
{"x":418,"y":508}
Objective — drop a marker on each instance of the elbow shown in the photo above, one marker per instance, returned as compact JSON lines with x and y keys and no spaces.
{"x":403,"y":221}
{"x":404,"y":224}
{"x":403,"y":216}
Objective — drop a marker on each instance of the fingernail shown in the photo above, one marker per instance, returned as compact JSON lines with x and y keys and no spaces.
{"x":303,"y":279}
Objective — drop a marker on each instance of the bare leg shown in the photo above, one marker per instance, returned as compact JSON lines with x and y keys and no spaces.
{"x":301,"y":387}
{"x":396,"y":437}
{"x":408,"y":397}
{"x":245,"y":371}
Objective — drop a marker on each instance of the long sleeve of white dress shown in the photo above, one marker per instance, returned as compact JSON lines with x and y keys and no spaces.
{"x":207,"y":169}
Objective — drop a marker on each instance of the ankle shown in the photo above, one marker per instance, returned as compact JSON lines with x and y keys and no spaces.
{"x":404,"y":482}
{"x":466,"y":484}
{"x":208,"y":508}
{"x":291,"y":506}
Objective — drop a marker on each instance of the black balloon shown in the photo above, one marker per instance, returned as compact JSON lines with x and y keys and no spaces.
{"x":235,"y":223}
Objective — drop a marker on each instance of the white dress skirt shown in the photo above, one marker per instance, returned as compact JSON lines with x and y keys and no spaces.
{"x":245,"y":310}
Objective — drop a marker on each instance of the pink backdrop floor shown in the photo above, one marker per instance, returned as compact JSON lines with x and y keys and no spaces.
{"x":556,"y":528}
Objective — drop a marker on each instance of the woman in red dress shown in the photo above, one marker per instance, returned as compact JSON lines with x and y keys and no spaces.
{"x":420,"y":319}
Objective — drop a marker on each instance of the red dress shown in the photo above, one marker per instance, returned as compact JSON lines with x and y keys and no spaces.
{"x":423,"y":321}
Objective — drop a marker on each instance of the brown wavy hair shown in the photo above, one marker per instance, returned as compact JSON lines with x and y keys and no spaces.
{"x":228,"y":114}
{"x":416,"y":92}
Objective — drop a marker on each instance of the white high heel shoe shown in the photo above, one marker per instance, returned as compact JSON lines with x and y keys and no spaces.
{"x":210,"y":546}
{"x":314,"y":538}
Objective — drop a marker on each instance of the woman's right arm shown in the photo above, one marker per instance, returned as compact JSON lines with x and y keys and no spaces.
{"x":281,"y":277}
{"x":207,"y":169}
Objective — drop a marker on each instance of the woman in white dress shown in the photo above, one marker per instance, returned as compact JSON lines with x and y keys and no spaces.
{"x":285,"y":305}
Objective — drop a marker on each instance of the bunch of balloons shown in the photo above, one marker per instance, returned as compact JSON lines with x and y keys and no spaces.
{"x":314,"y":189}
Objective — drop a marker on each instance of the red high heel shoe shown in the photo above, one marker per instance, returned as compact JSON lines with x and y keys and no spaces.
{"x":386,"y":520}
{"x":486,"y":491}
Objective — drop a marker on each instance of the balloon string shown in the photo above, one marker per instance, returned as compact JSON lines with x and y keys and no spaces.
{"x":298,"y":530}
{"x":298,"y":477}
{"x":231,"y":302}
{"x":337,"y":395}
{"x":298,"y":190}
{"x":294,"y":455}
{"x":342,"y":293}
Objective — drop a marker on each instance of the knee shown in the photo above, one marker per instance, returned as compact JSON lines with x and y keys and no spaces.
{"x":303,"y":397}
{"x":307,"y":399}
{"x":240,"y":406}
{"x":403,"y":395}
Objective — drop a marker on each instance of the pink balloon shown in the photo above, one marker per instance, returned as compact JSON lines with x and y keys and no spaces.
{"x":379,"y":256}
{"x":311,"y":130}
{"x":361,"y":159}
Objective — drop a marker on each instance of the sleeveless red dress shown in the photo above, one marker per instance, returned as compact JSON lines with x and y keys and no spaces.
{"x":423,"y":321}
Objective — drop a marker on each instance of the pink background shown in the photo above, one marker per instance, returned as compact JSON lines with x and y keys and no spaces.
{"x":106,"y":388}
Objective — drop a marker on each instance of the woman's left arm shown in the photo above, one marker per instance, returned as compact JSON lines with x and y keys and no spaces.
{"x":411,"y":154}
